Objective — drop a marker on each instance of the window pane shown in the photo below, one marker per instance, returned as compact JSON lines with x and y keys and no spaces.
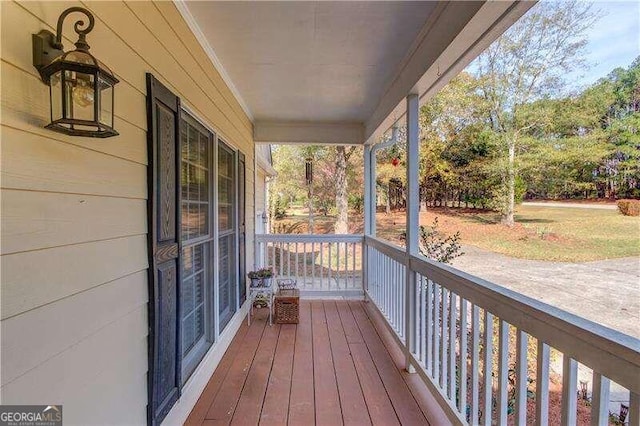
{"x":193,"y":291}
{"x":194,"y":174}
{"x":197,"y":304}
{"x":227,"y":267}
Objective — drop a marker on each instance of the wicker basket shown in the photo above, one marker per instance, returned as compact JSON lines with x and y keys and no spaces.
{"x":287,"y":306}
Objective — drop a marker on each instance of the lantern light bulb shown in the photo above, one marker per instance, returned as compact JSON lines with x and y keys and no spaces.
{"x":83,"y":93}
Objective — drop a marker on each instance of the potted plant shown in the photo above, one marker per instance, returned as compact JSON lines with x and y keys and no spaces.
{"x":261,"y":277}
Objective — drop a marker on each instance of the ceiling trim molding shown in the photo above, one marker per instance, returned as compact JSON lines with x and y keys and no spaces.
{"x":211,"y":54}
{"x":288,"y":132}
{"x":265,"y":166}
{"x":487,"y":24}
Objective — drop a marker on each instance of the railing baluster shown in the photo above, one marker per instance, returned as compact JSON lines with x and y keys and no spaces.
{"x":542,"y":384}
{"x":521,"y":378}
{"x":401,"y":300}
{"x":569,"y":387}
{"x":304,"y":260}
{"x":428,"y":358}
{"x":503,"y":372}
{"x":453,"y":332}
{"x":600,"y":400}
{"x":385,"y":283}
{"x":297,"y":260}
{"x":330,"y":264}
{"x":488,"y":368}
{"x":346,"y":265}
{"x":353,"y":265}
{"x":288,"y":260}
{"x":475,"y":365}
{"x":462,"y":397}
{"x":313,"y":264}
{"x":273,"y":260}
{"x":422,"y":303}
{"x":397,"y":301}
{"x":390,"y":293}
{"x":338,"y":265}
{"x":436,"y":333}
{"x":444,"y":338}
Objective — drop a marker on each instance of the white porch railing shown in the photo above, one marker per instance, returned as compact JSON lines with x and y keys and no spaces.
{"x":470,"y":343}
{"x":322,"y":264}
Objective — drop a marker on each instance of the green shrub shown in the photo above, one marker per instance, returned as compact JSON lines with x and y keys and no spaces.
{"x":436,"y":245}
{"x":356,"y":203}
{"x":629,"y":207}
{"x":279,"y":207}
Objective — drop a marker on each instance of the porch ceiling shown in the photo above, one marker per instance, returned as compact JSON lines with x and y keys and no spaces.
{"x":332,"y":72}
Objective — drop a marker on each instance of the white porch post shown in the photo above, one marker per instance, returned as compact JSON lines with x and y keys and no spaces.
{"x":369,"y":217}
{"x":413,"y":210}
{"x":369,"y":194}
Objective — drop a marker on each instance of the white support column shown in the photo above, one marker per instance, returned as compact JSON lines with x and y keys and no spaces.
{"x":369,"y":196}
{"x":373,"y":191}
{"x":369,"y":216}
{"x":413,"y":210}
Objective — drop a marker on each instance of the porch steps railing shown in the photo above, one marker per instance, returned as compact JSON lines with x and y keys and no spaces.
{"x":473,"y":343}
{"x":322,"y":264}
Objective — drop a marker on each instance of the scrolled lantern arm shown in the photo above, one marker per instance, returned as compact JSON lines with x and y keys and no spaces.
{"x":81,"y":44}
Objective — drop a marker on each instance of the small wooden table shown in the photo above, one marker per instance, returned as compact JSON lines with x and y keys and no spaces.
{"x":286,"y":305}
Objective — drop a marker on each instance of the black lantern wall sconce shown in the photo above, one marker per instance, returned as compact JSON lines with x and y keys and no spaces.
{"x":80,"y":86}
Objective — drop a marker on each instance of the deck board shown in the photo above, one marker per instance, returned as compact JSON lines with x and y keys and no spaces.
{"x":224,"y":404}
{"x":327,"y":400}
{"x":333,"y":368}
{"x":255,"y":387}
{"x":301,"y":401}
{"x":354,"y":408}
{"x":197,"y":415}
{"x":407,"y":408}
{"x":275,"y":410}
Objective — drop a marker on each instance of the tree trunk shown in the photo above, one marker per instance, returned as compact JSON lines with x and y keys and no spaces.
{"x":342,"y":221}
{"x":388,"y":199}
{"x":507,"y":216}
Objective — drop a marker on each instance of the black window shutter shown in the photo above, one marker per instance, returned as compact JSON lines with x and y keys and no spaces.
{"x":163,"y":208}
{"x":242,"y":238}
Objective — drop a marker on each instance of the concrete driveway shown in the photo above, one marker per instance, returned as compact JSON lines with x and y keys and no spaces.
{"x":605,"y":291}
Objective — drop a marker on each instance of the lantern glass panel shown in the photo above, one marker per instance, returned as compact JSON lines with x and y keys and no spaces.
{"x":56,"y":96}
{"x":80,"y":96}
{"x":80,"y":57}
{"x":106,"y":102}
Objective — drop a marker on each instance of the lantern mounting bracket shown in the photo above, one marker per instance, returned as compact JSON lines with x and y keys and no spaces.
{"x":47,"y":46}
{"x":44,"y":51}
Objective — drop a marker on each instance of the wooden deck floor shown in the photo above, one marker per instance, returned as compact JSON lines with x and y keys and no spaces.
{"x":335,"y":367}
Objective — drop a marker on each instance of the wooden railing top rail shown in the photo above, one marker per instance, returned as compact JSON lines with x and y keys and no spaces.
{"x":607,"y":351}
{"x":309,"y":238}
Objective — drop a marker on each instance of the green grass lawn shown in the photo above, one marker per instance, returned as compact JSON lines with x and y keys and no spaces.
{"x":541,"y":233}
{"x":559,"y":234}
